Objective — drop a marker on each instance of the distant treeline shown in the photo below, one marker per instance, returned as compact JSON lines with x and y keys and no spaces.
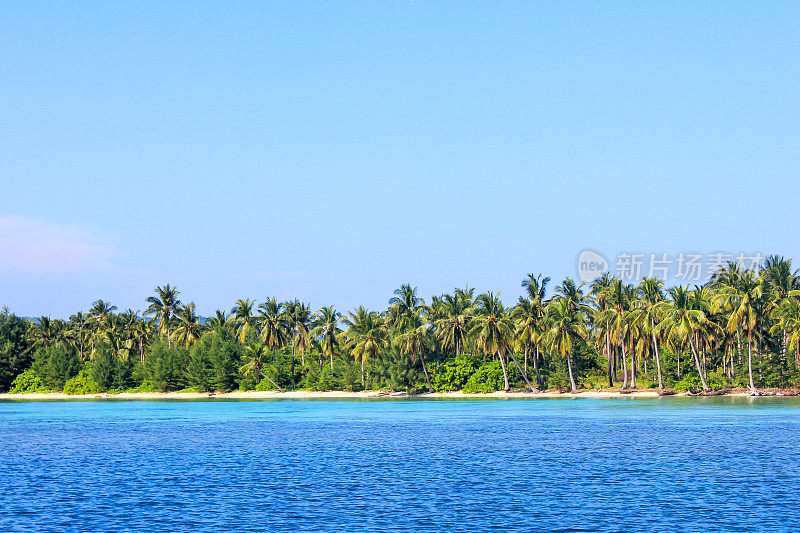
{"x":741,"y":329}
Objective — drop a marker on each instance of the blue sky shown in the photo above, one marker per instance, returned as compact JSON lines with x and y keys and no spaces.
{"x":332,"y":151}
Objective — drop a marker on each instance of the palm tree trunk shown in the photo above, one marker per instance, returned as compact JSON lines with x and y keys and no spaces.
{"x":362,"y":371}
{"x":697,"y":365}
{"x":292,"y":363}
{"x":331,"y":360}
{"x":526,"y":359}
{"x":624,"y":366}
{"x":270,"y":380}
{"x":609,"y":355}
{"x":633,"y":365}
{"x":750,"y":359}
{"x":505,"y":374}
{"x":569,"y":368}
{"x":524,"y":375}
{"x":536,"y":367}
{"x":425,"y":370}
{"x":658,"y":362}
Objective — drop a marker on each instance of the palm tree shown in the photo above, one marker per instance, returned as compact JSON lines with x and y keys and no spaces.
{"x":602,"y":291}
{"x":255,"y":358}
{"x":787,"y":321}
{"x":682,"y":322}
{"x":493,"y":329}
{"x":219,"y":322}
{"x":273,"y":325}
{"x":452,"y":322}
{"x":297,"y":318}
{"x":366,"y":336}
{"x":779,"y":281}
{"x":650,"y":310}
{"x":162,"y":306}
{"x":414,"y":339}
{"x":326,"y":329}
{"x":242,"y":316}
{"x":739,"y":297}
{"x":566,"y":331}
{"x":189,"y":328}
{"x":404,"y":305}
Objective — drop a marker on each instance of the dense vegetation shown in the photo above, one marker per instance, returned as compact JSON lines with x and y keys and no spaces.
{"x":742,"y":329}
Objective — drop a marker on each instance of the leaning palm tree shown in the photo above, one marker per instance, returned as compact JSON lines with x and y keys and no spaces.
{"x":162,"y":306}
{"x":739,"y":297}
{"x":255,"y":359}
{"x":566,"y":331}
{"x":366,"y":336}
{"x":326,"y":329}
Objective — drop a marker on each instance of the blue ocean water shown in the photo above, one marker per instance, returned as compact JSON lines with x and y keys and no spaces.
{"x":667,"y":464}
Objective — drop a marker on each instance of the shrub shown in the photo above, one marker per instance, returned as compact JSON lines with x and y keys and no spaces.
{"x":81,"y":384}
{"x":453,"y":374}
{"x":27,"y":382}
{"x":488,"y":378}
{"x":164,"y":367}
{"x":56,"y":364}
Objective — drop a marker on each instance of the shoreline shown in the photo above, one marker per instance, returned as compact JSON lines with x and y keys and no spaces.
{"x":318,"y":395}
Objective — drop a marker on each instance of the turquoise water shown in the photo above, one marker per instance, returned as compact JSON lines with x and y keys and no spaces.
{"x":671,"y":464}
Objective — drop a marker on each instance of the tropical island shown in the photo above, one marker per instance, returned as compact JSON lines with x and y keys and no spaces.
{"x":738,"y":333}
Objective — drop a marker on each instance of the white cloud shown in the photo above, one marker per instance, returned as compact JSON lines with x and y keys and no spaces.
{"x":29,"y":246}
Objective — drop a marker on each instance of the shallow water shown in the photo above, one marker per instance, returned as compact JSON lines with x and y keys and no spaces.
{"x":672,"y":464}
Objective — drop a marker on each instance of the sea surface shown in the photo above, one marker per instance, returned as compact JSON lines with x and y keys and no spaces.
{"x":628,"y":464}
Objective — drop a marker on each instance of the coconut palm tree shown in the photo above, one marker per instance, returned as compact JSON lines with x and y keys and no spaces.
{"x":242,"y":316}
{"x":739,"y":298}
{"x":163,"y":306}
{"x":601,"y":291}
{"x":297,"y":318}
{"x":650,"y":310}
{"x":189,"y":328}
{"x":366,"y":336}
{"x":566,"y":331}
{"x":452,"y":320}
{"x":255,"y":358}
{"x":492,"y":329}
{"x":273,"y":325}
{"x":682,"y":322}
{"x":327,"y":330}
{"x":787,"y":322}
{"x":414,"y":339}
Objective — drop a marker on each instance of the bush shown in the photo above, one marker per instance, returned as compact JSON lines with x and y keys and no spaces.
{"x":488,"y":378}
{"x":27,"y":382}
{"x":453,"y":374}
{"x":15,"y":355}
{"x":213,"y":363}
{"x":164,"y":367}
{"x":81,"y":384}
{"x":56,"y":364}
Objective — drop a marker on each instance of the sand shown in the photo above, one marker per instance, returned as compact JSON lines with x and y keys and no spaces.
{"x":313,"y":395}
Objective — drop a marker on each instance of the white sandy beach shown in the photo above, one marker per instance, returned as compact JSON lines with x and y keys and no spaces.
{"x":314,"y":395}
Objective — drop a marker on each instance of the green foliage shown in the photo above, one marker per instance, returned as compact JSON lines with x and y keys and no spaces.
{"x":81,"y":384}
{"x":15,"y":353}
{"x":213,"y":364}
{"x":56,"y":364}
{"x":395,"y":371}
{"x":488,"y":378}
{"x":453,"y":374}
{"x":27,"y":382}
{"x":164,"y":367}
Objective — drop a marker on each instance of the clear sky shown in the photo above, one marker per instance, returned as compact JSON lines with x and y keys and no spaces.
{"x":332,"y":151}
